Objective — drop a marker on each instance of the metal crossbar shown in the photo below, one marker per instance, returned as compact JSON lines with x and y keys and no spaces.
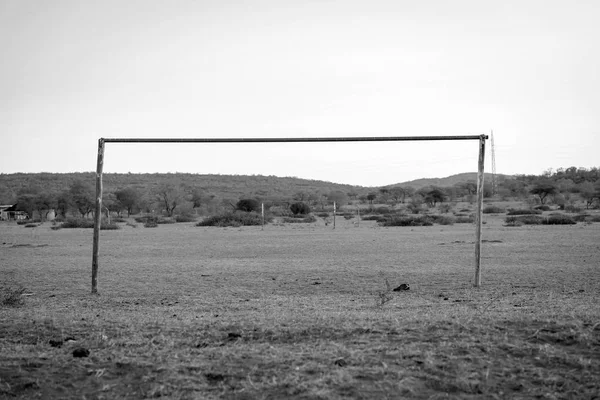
{"x":100,"y":166}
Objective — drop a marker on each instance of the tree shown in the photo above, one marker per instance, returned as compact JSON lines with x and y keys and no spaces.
{"x":248,"y":205}
{"x":63,"y":203}
{"x":398,"y":194}
{"x":128,"y":199}
{"x":371,"y":196}
{"x":300,"y":208}
{"x":82,"y":197}
{"x":543,"y":189}
{"x":434,"y":196}
{"x":589,"y":192}
{"x":27,"y":199}
{"x":338,"y":197}
{"x":169,"y":196}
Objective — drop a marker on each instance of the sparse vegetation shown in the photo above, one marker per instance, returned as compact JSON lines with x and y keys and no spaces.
{"x":235,"y":219}
{"x":11,"y":296}
{"x":493,"y":210}
{"x":523,"y":212}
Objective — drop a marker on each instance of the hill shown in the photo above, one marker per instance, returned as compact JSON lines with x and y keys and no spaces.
{"x":449,"y":180}
{"x":222,"y":186}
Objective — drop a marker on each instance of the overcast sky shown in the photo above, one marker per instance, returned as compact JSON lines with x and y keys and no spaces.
{"x":74,"y":71}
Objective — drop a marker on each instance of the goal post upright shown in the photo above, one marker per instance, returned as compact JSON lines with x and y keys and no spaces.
{"x":100,"y":166}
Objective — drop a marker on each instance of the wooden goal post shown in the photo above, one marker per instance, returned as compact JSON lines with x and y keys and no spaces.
{"x":100,"y":167}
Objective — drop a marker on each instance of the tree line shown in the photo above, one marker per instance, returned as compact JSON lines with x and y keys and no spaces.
{"x":561,"y":187}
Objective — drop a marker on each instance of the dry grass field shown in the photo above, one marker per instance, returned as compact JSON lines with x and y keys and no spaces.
{"x":302,"y":312}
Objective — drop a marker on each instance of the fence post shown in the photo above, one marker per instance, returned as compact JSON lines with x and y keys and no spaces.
{"x":479,"y":212}
{"x":97,"y":215}
{"x":334,"y":215}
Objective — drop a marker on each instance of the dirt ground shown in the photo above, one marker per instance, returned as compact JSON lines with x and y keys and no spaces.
{"x":302,"y":312}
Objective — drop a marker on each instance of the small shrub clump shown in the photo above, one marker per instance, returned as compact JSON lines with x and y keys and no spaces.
{"x":523,"y":212}
{"x":300,"y":208}
{"x":185,"y":218}
{"x":323,"y":215}
{"x":412,"y":220}
{"x":32,"y":225}
{"x":573,"y":209}
{"x":73,"y":223}
{"x":493,"y":210}
{"x":236,"y":219}
{"x":464,"y":219}
{"x":543,"y":207}
{"x":305,"y":219}
{"x":11,"y":296}
{"x":441,"y":219}
{"x":559,"y":219}
{"x":524,"y":220}
{"x":378,"y":218}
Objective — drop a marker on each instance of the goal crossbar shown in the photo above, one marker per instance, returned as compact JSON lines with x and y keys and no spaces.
{"x":100,"y":167}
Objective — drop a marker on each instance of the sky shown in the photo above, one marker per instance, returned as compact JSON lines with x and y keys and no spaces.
{"x":74,"y":71}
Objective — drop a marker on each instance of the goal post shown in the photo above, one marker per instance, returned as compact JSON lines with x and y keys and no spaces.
{"x":100,"y":166}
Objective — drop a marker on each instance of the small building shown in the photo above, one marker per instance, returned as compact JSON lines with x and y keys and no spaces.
{"x":10,"y":213}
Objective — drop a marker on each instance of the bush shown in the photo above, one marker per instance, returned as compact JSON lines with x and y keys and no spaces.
{"x":441,"y":219}
{"x":523,"y":212}
{"x":233,"y":219}
{"x":323,"y":215}
{"x":445,"y":208}
{"x":348,"y":216}
{"x":493,"y":210}
{"x":578,"y":217}
{"x":31,"y":225}
{"x":422,"y":220}
{"x":248,"y":205}
{"x":594,"y":218}
{"x":573,"y":209}
{"x":151,"y":223}
{"x":559,"y":219}
{"x":524,"y":220}
{"x":11,"y":296}
{"x":119,"y":219}
{"x":543,"y":207}
{"x":86,"y":223}
{"x":305,"y":220}
{"x":378,"y":218}
{"x":465,"y":220}
{"x":185,"y":218}
{"x":300,"y":208}
{"x":77,"y":223}
{"x":29,"y":221}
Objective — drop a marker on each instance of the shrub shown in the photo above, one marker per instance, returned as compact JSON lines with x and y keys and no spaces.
{"x":465,"y":220}
{"x":233,"y":219}
{"x":523,"y":212}
{"x":294,"y":220}
{"x":150,"y":223}
{"x":377,"y":218}
{"x":382,"y":210}
{"x":445,"y":208}
{"x":513,"y":223}
{"x":31,"y":225}
{"x":594,"y":218}
{"x":185,"y":218}
{"x":248,"y":205}
{"x":441,"y":219}
{"x":300,"y":208}
{"x":119,"y":219}
{"x":323,"y":215}
{"x":493,"y":210}
{"x":348,"y":216}
{"x":524,"y":220}
{"x":579,"y":217}
{"x":543,"y":207}
{"x":573,"y":209}
{"x":86,"y":223}
{"x":29,"y":221}
{"x":559,"y":219}
{"x":423,"y":220}
{"x":465,"y":210}
{"x":11,"y":296}
{"x":77,"y":223}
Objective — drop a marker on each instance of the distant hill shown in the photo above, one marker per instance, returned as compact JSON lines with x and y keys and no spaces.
{"x":449,"y":180}
{"x":222,"y":186}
